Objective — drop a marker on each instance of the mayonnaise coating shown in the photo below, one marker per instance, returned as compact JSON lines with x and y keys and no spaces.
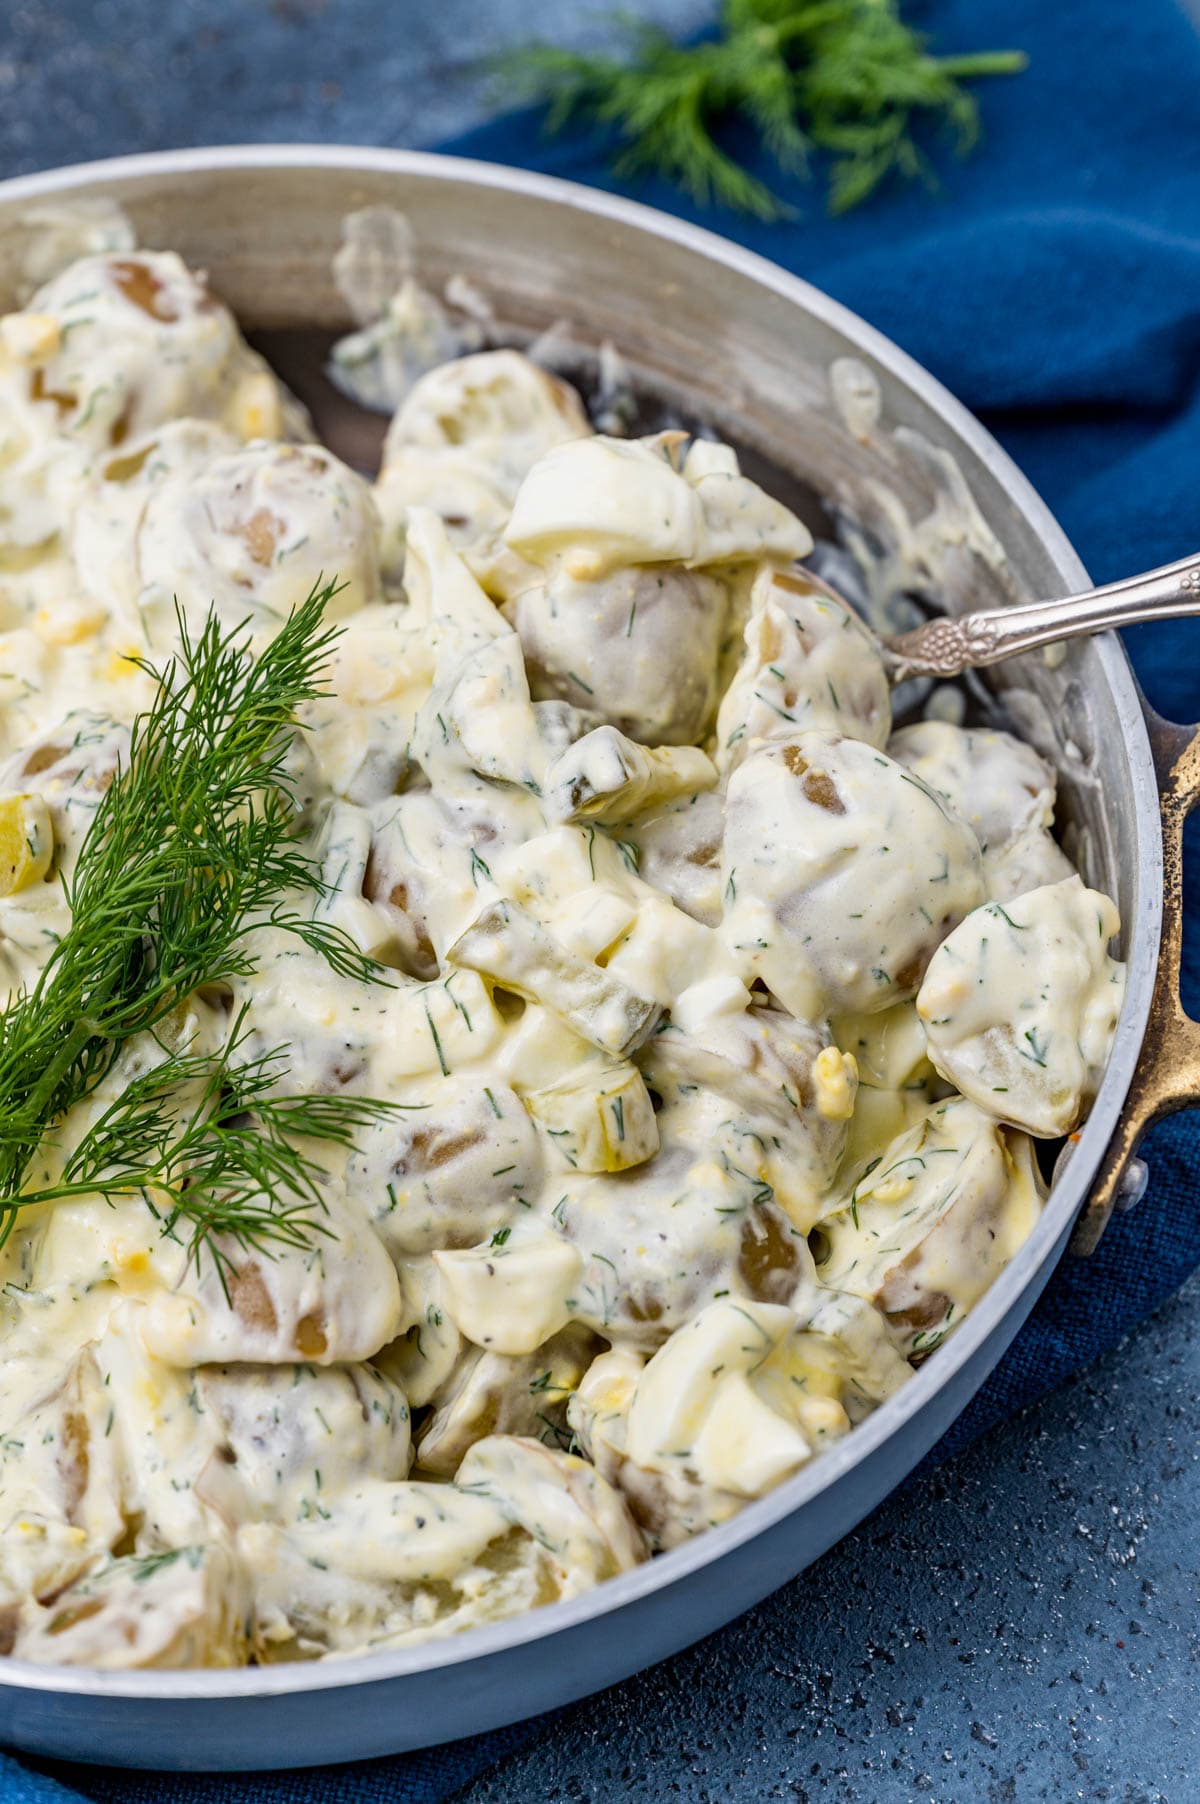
{"x":1004,"y":791}
{"x":250,"y":531}
{"x":896,"y":1081}
{"x":462,"y":442}
{"x":628,"y":607}
{"x":737,"y":1400}
{"x":114,"y":345}
{"x":1021,"y":1001}
{"x":679,"y":852}
{"x":677,"y":1182}
{"x":808,"y":663}
{"x":926,"y":1229}
{"x":841,"y":873}
{"x":639,"y":644}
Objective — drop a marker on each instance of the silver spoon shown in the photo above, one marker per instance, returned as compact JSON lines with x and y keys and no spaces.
{"x":946,"y":646}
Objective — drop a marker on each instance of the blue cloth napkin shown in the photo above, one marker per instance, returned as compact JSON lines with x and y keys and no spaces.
{"x":1054,"y":285}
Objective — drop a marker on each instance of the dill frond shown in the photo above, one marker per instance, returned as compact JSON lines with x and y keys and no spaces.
{"x":209,"y":1147}
{"x":192,"y":848}
{"x":845,"y":76}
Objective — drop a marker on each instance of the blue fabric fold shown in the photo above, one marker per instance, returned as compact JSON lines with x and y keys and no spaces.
{"x":1053,"y":283}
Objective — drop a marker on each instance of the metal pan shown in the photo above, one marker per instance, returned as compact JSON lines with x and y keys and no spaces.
{"x":731,"y":338}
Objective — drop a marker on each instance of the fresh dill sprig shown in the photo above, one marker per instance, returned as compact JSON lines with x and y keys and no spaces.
{"x":208,"y":1145}
{"x":192,"y":848}
{"x":843,"y":76}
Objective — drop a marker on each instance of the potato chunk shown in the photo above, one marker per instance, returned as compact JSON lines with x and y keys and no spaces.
{"x":931,"y":1226}
{"x":495,"y":1393}
{"x":292,"y":1436}
{"x":183,"y":1606}
{"x":124,"y":341}
{"x":1020,"y":1005}
{"x":774,"y":1094}
{"x":639,"y":646}
{"x":249,"y":534}
{"x":60,"y":1475}
{"x":521,"y":1526}
{"x":462,"y":442}
{"x":451,"y":1174}
{"x":679,"y":853}
{"x":1001,"y":788}
{"x":698,"y":1221}
{"x":808,"y":663}
{"x":338,"y":1300}
{"x":559,"y":1501}
{"x":842,"y":873}
{"x":628,"y":614}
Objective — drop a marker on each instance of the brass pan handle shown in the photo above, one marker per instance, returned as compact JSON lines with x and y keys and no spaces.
{"x":1167,"y":1077}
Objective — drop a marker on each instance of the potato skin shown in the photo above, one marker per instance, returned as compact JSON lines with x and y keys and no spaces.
{"x":639,"y":646}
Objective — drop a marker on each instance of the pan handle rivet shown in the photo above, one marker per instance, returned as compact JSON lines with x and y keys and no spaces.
{"x":1132,"y":1187}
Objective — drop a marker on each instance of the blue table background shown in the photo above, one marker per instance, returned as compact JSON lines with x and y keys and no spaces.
{"x":1022,"y":1624}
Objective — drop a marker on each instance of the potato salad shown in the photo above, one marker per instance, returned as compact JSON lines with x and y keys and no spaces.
{"x":553,"y":1084}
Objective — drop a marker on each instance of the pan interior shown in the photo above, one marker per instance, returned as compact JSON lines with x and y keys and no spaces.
{"x":712,"y":336}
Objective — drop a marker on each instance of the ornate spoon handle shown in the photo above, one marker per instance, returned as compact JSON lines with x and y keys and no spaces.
{"x":945,"y":646}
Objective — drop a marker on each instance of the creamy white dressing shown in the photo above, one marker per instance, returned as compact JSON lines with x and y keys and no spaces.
{"x":1021,"y":1001}
{"x":680,"y":1183}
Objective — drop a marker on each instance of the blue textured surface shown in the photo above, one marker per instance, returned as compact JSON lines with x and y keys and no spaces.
{"x":1020,"y":1624}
